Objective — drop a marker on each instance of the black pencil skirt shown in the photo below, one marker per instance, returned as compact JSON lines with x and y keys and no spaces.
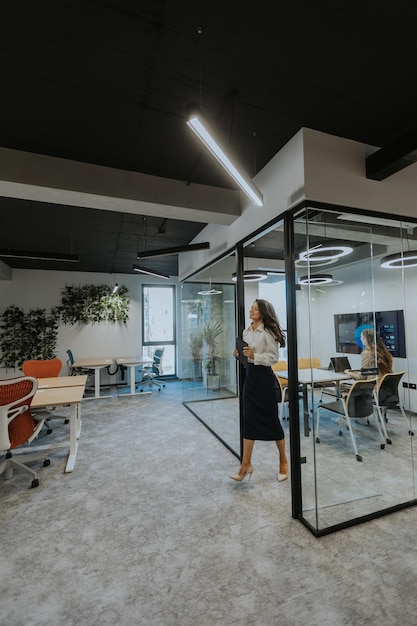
{"x":261,"y":395}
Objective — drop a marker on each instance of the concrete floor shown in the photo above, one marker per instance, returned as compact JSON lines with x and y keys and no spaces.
{"x":149,"y":530}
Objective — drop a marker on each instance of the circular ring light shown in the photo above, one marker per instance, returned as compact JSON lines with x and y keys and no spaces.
{"x":251,"y":276}
{"x":400,"y":260}
{"x":333,"y":252}
{"x":211,"y":292}
{"x":304,"y":263}
{"x":318,"y":279}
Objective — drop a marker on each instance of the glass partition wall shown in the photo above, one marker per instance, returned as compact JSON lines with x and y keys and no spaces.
{"x":357,"y":460}
{"x":209,"y":370}
{"x":330,"y":276}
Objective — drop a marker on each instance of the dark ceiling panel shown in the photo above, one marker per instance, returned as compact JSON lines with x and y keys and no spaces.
{"x":108,"y":82}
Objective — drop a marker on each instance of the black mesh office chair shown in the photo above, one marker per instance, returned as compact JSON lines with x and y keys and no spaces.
{"x":151,"y":372}
{"x":388,"y":398}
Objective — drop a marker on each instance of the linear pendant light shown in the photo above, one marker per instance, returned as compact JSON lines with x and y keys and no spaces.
{"x":38,"y":256}
{"x":144,"y":270}
{"x":200,"y":127}
{"x":146,"y":254}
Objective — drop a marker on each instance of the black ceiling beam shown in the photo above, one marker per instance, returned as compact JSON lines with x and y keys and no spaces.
{"x":393,"y":157}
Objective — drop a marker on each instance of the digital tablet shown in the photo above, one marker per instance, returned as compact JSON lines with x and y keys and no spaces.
{"x":240,"y":344}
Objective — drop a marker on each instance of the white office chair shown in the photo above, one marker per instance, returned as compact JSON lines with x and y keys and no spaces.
{"x":357,"y":403}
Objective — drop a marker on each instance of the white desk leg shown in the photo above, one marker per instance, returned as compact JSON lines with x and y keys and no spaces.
{"x":75,"y":430}
{"x":132,"y":379}
{"x":97,"y":382}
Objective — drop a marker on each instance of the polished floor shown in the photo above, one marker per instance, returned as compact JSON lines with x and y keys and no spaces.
{"x":150,"y":531}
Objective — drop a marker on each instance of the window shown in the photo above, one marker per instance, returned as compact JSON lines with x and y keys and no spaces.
{"x":158,"y":324}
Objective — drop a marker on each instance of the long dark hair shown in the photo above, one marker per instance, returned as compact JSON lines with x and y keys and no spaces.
{"x":270,"y":320}
{"x":383,"y":356}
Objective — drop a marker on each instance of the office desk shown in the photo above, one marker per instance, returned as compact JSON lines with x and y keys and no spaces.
{"x":132,"y":362}
{"x":307,"y":377}
{"x":97,"y":365}
{"x":56,"y":396}
{"x":62,"y":381}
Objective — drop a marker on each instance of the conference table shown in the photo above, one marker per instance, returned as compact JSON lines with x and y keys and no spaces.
{"x":310,"y":376}
{"x":96,"y":364}
{"x":59,"y":391}
{"x":132,"y":362}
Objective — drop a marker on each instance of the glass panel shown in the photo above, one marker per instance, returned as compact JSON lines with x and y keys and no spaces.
{"x":356,"y":462}
{"x":209,"y":374}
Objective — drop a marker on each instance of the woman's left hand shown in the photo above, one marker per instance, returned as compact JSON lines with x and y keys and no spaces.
{"x":247,"y":351}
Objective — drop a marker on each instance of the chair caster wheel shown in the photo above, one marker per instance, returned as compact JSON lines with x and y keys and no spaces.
{"x":410,"y":432}
{"x":35,"y":483}
{"x":317,"y":439}
{"x":66,"y":421}
{"x":358,"y":457}
{"x":46,"y":462}
{"x":389,"y":441}
{"x":48,"y":432}
{"x":382,"y":446}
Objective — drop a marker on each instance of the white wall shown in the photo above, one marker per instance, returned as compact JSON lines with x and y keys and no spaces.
{"x":316,"y":166}
{"x":31,"y":289}
{"x":335,"y":172}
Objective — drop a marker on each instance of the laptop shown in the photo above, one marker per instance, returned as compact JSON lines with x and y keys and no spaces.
{"x":339,"y":363}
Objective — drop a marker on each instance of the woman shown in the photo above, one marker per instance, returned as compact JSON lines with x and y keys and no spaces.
{"x":383,"y":356}
{"x":261,"y":392}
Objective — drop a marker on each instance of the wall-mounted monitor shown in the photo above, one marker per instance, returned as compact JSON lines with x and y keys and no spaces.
{"x":389,"y":325}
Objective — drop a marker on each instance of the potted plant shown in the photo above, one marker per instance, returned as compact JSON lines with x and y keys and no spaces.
{"x":212,"y":358}
{"x":196,"y":346}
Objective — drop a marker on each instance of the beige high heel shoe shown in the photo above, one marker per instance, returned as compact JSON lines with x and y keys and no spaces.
{"x":239,"y":477}
{"x":283,"y":472}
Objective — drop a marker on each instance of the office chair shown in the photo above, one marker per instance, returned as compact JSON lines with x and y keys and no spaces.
{"x":388,"y":397}
{"x":18,"y":426}
{"x":151,"y":372}
{"x":357,"y":403}
{"x":283,"y":383}
{"x":48,"y":368}
{"x":304,"y":363}
{"x":74,"y":371}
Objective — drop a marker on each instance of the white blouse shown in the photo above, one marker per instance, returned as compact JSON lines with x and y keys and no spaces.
{"x":263,"y":344}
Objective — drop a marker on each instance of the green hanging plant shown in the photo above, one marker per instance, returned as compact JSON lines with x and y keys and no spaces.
{"x":25,"y":336}
{"x":89,"y":304}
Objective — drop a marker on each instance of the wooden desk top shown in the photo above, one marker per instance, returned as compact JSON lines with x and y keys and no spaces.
{"x":93,"y":363}
{"x":315,"y":375}
{"x":62,"y":381}
{"x":133,"y":360}
{"x":52,"y":396}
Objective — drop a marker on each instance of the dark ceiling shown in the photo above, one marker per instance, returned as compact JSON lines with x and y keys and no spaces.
{"x":108,"y":83}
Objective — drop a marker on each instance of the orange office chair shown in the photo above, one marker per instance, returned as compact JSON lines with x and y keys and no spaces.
{"x":48,"y":368}
{"x":17,"y":425}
